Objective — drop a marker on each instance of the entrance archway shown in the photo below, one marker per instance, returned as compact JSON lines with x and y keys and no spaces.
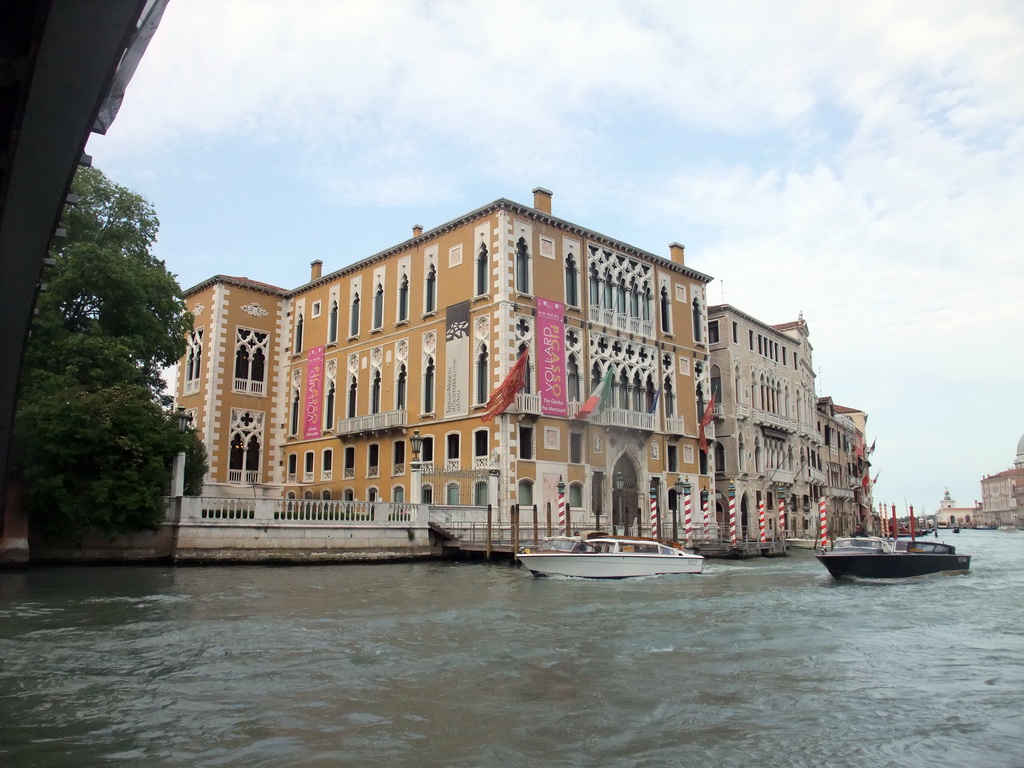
{"x":627,"y":496}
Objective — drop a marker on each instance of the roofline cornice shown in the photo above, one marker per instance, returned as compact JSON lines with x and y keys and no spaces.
{"x":729,"y":309}
{"x":501,"y":204}
{"x":252,"y":285}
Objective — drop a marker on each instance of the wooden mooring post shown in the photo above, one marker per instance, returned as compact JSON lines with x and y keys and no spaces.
{"x":536,"y":529}
{"x":487,"y":549}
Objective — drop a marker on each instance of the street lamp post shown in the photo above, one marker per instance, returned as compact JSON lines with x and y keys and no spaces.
{"x":675,"y":512}
{"x":182,"y":421}
{"x":620,"y":484}
{"x":415,"y":470}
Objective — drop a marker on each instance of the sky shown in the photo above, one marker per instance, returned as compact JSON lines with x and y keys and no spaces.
{"x":859,"y":163}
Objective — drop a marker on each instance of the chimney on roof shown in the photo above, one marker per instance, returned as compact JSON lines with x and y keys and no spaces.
{"x":417,"y":230}
{"x":542,"y":199}
{"x":316,"y":268}
{"x":676,"y":253}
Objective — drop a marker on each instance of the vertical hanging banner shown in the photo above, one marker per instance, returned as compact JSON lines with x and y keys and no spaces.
{"x":456,"y":360}
{"x":314,"y":389}
{"x":551,"y":357}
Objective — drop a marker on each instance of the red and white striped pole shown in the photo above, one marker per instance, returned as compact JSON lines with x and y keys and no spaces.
{"x":561,"y":508}
{"x":732,"y":514}
{"x":654,"y":513}
{"x":707,"y":523}
{"x":823,"y":524}
{"x":782,"y":519}
{"x":760,"y":522}
{"x":687,"y":522}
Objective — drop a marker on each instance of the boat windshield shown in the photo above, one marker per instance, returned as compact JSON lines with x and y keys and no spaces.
{"x":862,"y":545}
{"x":563,"y":545}
{"x":925,"y":547}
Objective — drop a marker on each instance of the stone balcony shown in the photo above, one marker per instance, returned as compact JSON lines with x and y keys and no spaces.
{"x":374,"y":422}
{"x":774,"y":420}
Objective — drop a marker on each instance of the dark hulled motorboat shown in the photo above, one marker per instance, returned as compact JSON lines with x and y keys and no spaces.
{"x":869,"y":557}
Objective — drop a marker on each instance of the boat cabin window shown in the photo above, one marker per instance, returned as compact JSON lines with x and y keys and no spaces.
{"x":871,"y":545}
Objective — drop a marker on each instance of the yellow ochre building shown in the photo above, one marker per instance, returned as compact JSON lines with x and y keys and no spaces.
{"x":365,"y":379}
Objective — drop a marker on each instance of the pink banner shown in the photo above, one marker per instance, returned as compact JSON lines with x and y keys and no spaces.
{"x":551,"y":357}
{"x":314,"y":390}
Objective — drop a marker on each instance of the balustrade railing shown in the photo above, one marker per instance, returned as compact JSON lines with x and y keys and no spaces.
{"x":373,"y":422}
{"x":245,"y":476}
{"x":249,"y":386}
{"x":198,"y":510}
{"x":619,"y":417}
{"x":675,"y":426}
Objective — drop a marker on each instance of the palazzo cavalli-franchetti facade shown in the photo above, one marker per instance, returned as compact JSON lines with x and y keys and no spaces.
{"x":318,"y":392}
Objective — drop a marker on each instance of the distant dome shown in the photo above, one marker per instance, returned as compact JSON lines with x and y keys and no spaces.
{"x":1019,"y":462}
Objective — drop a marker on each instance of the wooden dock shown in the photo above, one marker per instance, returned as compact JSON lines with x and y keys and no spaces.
{"x":476,"y":540}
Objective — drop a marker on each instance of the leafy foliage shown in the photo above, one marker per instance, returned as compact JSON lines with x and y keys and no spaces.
{"x":93,"y":436}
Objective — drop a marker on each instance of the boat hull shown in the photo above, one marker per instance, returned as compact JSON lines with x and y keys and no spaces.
{"x":898,"y":565}
{"x":610,"y":565}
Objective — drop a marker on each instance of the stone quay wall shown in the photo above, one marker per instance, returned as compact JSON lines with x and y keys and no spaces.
{"x":204,"y":529}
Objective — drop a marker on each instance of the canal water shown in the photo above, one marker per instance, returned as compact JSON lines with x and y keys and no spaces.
{"x":755,"y":663}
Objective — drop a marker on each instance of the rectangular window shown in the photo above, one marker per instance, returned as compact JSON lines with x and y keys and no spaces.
{"x":452,"y":450}
{"x":398,"y":467}
{"x":713,"y":332}
{"x":735,"y":333}
{"x":576,"y":447}
{"x":673,"y":458}
{"x":525,"y":442}
{"x":293,"y":466}
{"x":751,"y":340}
{"x":328,"y":465}
{"x":427,"y":450}
{"x":307,"y":468}
{"x":373,"y":460}
{"x":316,"y":309}
{"x":481,"y":444}
{"x":350,"y":461}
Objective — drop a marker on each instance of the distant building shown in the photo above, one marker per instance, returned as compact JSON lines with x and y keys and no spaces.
{"x":950,"y":515}
{"x":1002,"y":494}
{"x":777,"y":441}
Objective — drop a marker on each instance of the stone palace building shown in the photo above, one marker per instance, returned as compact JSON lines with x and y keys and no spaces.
{"x":370,"y":382}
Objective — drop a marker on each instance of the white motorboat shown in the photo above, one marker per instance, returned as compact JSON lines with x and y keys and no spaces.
{"x":607,"y":557}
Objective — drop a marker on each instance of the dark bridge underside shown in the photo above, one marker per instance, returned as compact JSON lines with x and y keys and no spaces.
{"x":57,"y":61}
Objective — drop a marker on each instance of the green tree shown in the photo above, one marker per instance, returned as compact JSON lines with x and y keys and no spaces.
{"x":94,"y":438}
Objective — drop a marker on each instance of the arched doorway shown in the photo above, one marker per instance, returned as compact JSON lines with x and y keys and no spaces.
{"x":628,"y":496}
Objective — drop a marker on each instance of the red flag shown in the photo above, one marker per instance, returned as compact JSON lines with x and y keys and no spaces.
{"x":506,"y":392}
{"x":707,"y":418}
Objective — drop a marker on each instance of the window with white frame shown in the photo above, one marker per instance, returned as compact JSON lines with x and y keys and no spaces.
{"x":193,"y":361}
{"x":373,"y":460}
{"x":251,"y":352}
{"x":327,"y":469}
{"x":453,"y":450}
